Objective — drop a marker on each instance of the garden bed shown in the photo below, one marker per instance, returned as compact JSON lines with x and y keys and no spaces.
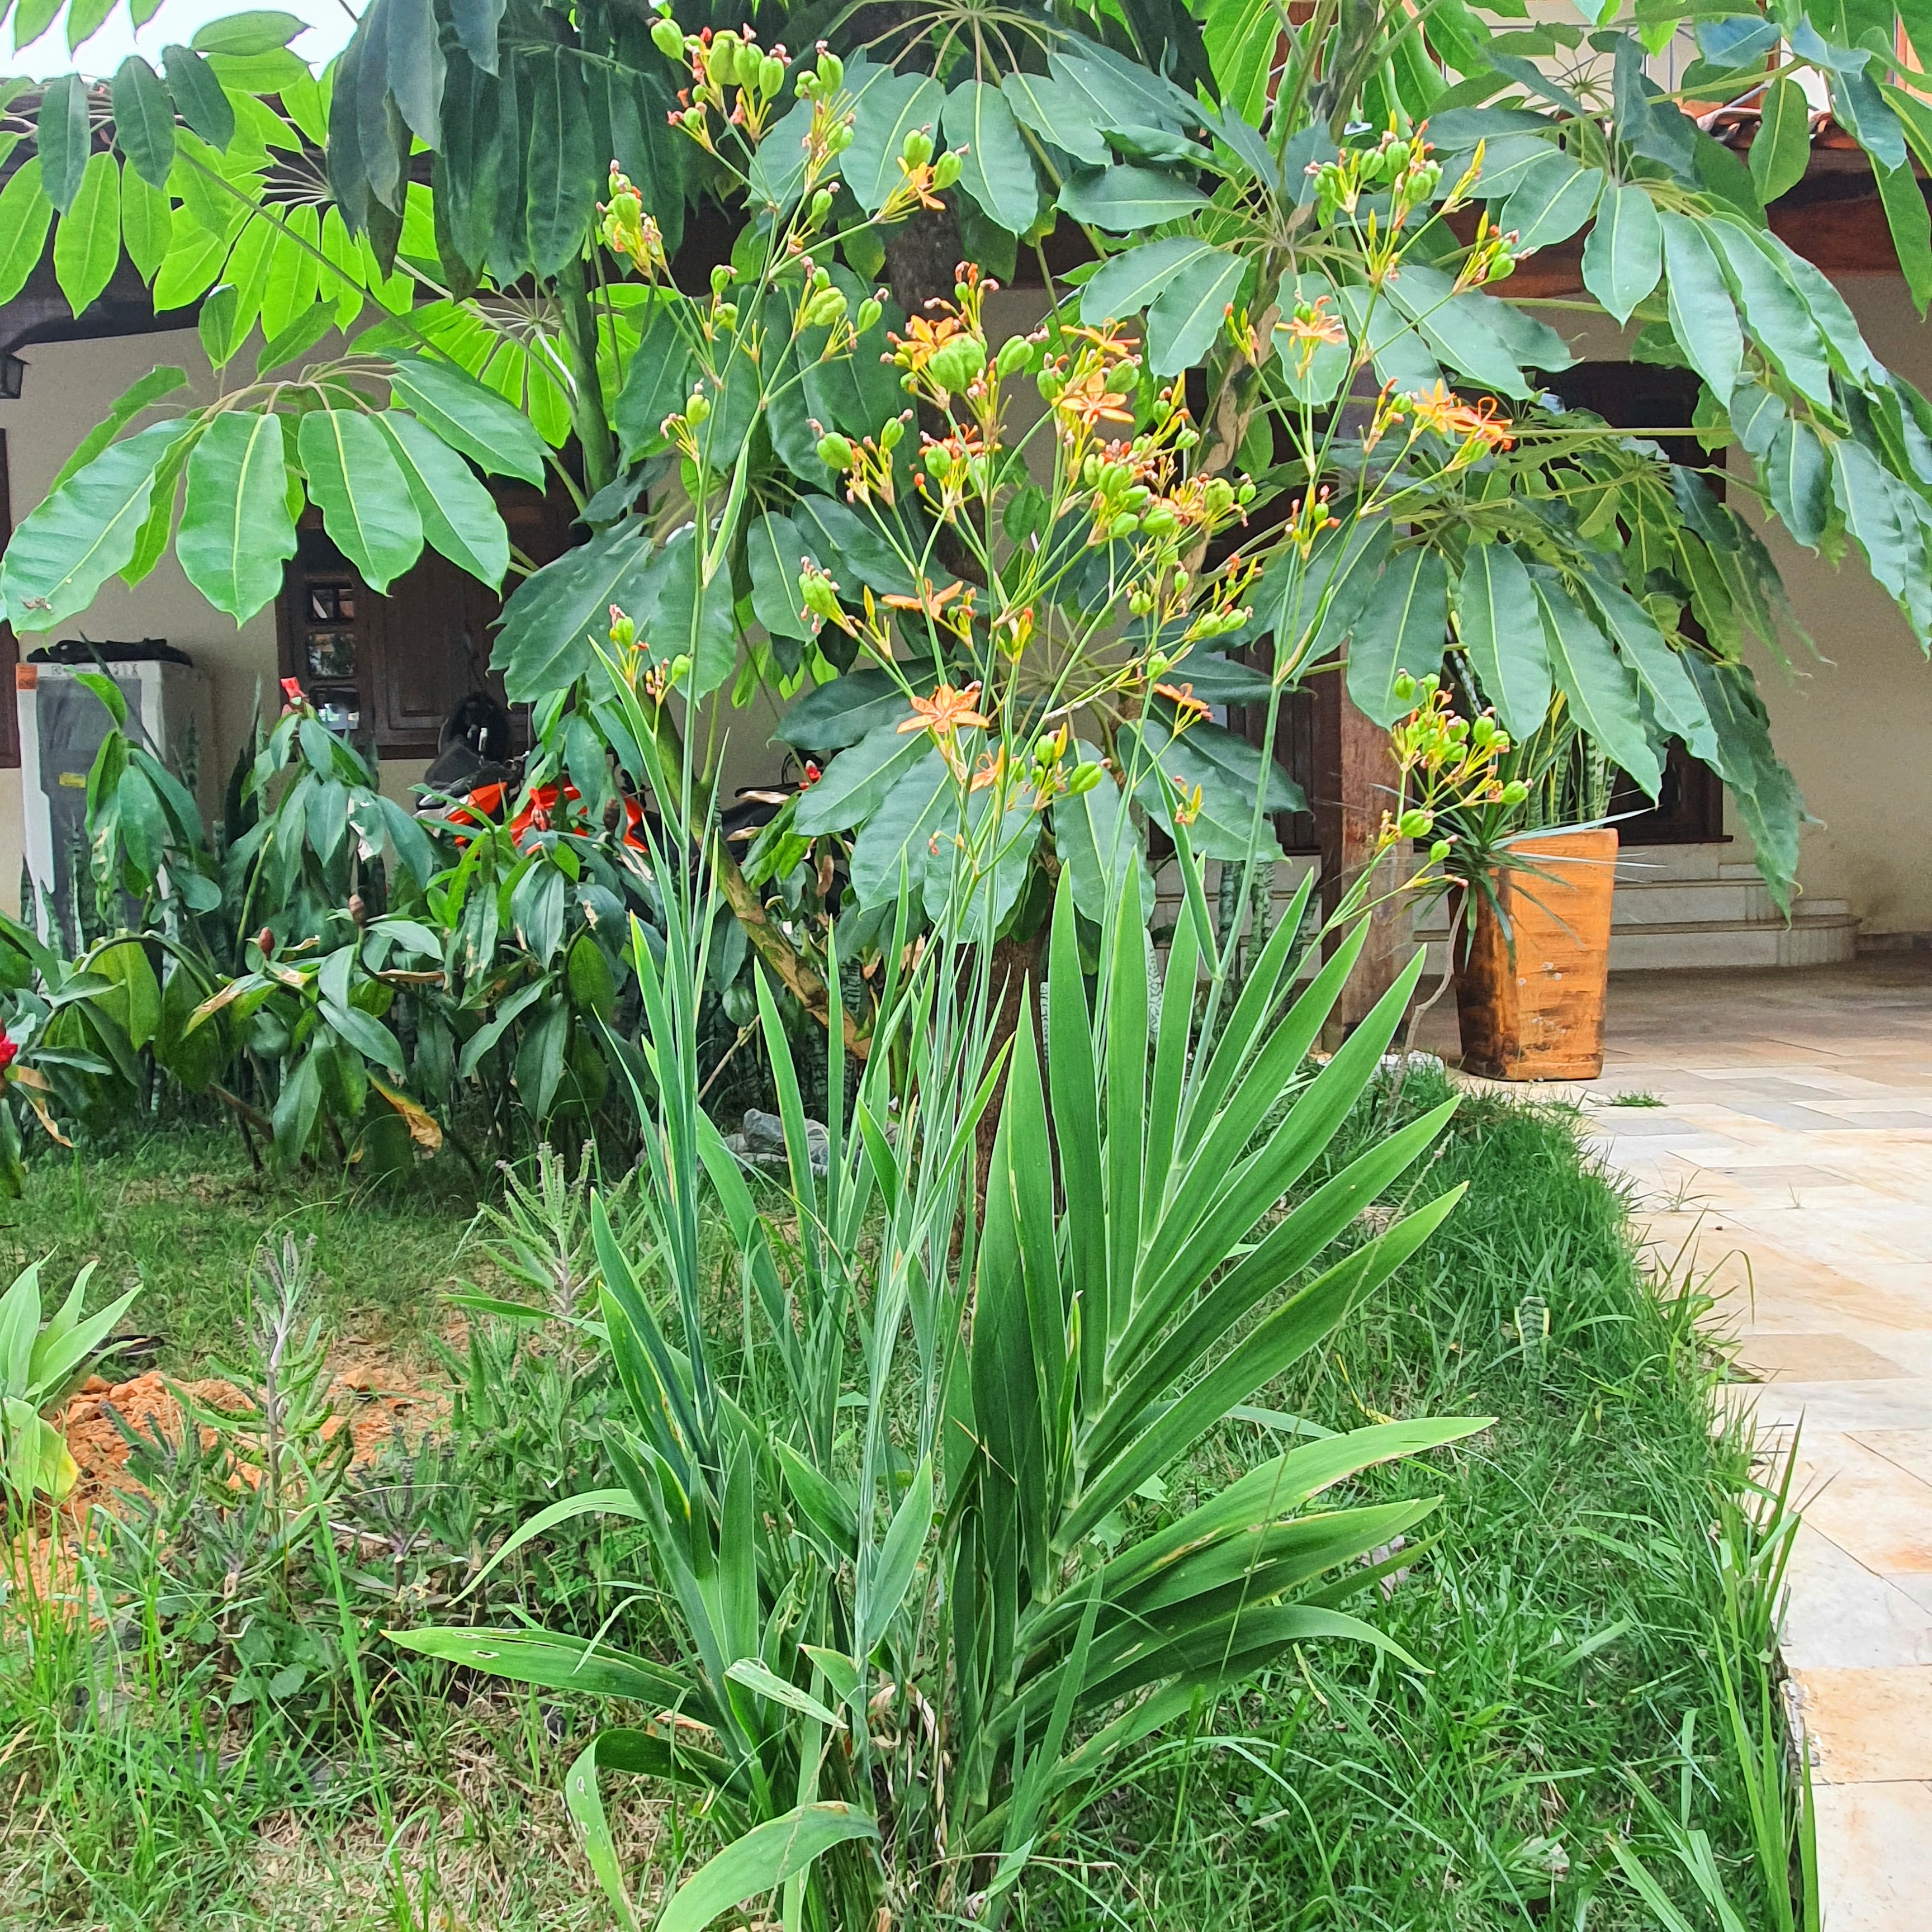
{"x":1568,"y":1608}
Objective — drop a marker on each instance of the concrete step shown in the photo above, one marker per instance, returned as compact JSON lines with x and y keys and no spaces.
{"x":1664,"y":902}
{"x":1811,"y":939}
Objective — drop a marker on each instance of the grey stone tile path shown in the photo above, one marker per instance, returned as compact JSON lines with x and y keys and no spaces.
{"x":1790,"y":1160}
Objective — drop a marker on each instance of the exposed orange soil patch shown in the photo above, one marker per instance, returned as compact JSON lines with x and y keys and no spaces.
{"x":373,"y":1406}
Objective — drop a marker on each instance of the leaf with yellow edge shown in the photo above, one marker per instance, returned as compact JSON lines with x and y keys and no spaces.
{"x":420,"y":1121}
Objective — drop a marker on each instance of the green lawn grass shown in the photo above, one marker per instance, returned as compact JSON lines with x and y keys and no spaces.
{"x":1567,"y":1622}
{"x":181,"y":1211}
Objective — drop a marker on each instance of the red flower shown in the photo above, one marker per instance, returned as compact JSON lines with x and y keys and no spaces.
{"x":8,"y":1051}
{"x":292,"y":699}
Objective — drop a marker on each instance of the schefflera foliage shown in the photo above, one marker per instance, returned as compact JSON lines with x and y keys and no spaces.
{"x":1181,"y":149}
{"x":919,"y":1614}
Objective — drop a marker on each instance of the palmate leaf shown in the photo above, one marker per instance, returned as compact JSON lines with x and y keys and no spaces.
{"x":889,"y":107}
{"x":460,"y":517}
{"x":997,"y":171}
{"x":1623,"y":256}
{"x":236,"y":528}
{"x":1601,"y":694}
{"x":1125,"y":197}
{"x":26,"y":214}
{"x":1403,"y":627}
{"x":356,"y":483}
{"x":1780,"y":150}
{"x":1188,"y":313}
{"x":88,"y":243}
{"x":1500,"y":624}
{"x":73,"y":542}
{"x":1460,"y":335}
{"x":1702,"y":316}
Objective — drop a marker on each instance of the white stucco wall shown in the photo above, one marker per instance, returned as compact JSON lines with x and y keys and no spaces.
{"x":68,"y":388}
{"x":1854,"y":722}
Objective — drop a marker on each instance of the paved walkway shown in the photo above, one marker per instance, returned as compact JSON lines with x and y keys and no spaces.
{"x":1792,"y":1156}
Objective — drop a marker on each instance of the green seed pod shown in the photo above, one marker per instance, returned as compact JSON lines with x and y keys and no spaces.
{"x":918,"y":148}
{"x":946,"y":170}
{"x":1084,"y":778}
{"x":771,"y":76}
{"x":666,"y":38}
{"x":1015,"y":353}
{"x":722,"y":62}
{"x":869,"y":312}
{"x":889,"y":436}
{"x":835,"y":451}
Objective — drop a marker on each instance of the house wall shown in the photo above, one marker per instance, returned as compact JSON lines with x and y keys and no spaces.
{"x":1852,"y":715}
{"x":68,"y":388}
{"x":1855,"y":721}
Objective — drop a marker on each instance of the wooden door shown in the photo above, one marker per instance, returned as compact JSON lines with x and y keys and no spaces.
{"x":392,"y":667}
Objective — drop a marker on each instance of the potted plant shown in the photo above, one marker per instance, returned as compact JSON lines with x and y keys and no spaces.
{"x":1527,"y":863}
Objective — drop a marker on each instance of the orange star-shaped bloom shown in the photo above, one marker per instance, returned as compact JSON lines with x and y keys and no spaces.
{"x":1182,"y":697}
{"x":946,"y":711}
{"x":931,"y":602}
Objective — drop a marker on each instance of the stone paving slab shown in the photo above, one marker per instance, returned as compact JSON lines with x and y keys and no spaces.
{"x":1790,"y":1162}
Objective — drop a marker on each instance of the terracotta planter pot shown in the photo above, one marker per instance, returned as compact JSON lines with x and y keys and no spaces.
{"x":1539,"y":1016}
